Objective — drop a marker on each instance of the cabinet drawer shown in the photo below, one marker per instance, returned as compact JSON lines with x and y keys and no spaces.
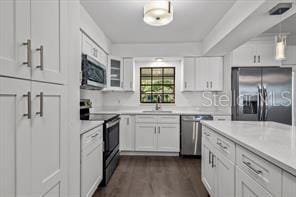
{"x":94,"y":135}
{"x":169,"y":119}
{"x":222,"y":118}
{"x":146,"y":119}
{"x":208,"y":135}
{"x":225,"y":146}
{"x":262,"y":171}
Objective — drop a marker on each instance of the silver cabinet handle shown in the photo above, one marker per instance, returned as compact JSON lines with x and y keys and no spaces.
{"x":255,"y":58}
{"x":221,"y":145}
{"x":249,"y":165}
{"x":158,"y":129}
{"x":127,"y":121}
{"x":95,"y":135}
{"x":29,"y":53}
{"x":155,"y":129}
{"x":213,"y":161}
{"x":207,"y":84}
{"x":41,"y":96}
{"x":210,"y":157}
{"x":211,"y":84}
{"x":29,"y":96}
{"x":185,"y":84}
{"x":259,"y":59}
{"x":41,"y":50}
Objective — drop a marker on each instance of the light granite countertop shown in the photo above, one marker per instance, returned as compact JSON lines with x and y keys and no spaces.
{"x":272,"y":141}
{"x":87,"y":125}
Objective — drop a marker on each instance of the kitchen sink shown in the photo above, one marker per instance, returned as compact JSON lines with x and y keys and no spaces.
{"x":157,"y":111}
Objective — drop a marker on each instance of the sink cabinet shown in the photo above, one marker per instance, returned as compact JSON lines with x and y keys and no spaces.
{"x":157,"y":133}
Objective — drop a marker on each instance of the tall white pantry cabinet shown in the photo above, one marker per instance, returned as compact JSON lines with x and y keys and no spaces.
{"x":33,"y":133}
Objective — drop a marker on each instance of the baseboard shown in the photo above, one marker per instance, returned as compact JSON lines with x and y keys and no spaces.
{"x":140,"y":153}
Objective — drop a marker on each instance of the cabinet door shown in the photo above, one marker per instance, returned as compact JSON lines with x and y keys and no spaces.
{"x":48,"y":30}
{"x":14,"y":31}
{"x":15,"y":138}
{"x":245,"y":55}
{"x":224,"y":170}
{"x":266,"y":55}
{"x":207,"y":169}
{"x":145,"y":137}
{"x":128,"y":74}
{"x":247,"y":187}
{"x":168,"y":138}
{"x":126,"y":133}
{"x":48,"y":140}
{"x":115,"y":73}
{"x":202,"y":78}
{"x":214,"y":73}
{"x":289,"y":185}
{"x":189,"y":74}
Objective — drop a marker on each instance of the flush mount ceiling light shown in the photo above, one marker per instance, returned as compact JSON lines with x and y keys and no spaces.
{"x":158,"y":13}
{"x":159,"y":59}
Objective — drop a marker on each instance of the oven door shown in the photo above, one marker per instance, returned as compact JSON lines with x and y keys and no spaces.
{"x":94,"y":73}
{"x":111,"y":139}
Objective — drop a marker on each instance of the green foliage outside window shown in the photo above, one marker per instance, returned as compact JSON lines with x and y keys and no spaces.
{"x":157,"y":82}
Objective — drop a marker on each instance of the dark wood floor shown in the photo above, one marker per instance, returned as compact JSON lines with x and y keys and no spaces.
{"x":155,"y":177}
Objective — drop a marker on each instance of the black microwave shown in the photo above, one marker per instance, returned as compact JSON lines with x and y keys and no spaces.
{"x":93,"y":73}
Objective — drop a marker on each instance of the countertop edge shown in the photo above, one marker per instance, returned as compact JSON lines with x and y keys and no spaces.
{"x":261,"y":154}
{"x":95,"y":125}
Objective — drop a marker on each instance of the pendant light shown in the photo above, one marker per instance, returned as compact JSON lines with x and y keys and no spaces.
{"x":158,"y":13}
{"x":281,"y":41}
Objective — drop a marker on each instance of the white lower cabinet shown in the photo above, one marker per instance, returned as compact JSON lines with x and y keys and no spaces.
{"x":168,"y":138}
{"x":32,"y":139}
{"x":224,"y":170}
{"x":127,"y":137}
{"x":247,"y":187}
{"x":145,"y":137}
{"x":207,"y":169}
{"x":289,"y":185}
{"x":91,"y":161}
{"x":162,"y":134}
{"x":215,"y":170}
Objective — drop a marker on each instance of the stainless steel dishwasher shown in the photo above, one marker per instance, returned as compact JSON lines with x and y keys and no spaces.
{"x":191,"y":134}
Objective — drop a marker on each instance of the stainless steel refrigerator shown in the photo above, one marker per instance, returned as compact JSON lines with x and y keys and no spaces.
{"x":262,"y":94}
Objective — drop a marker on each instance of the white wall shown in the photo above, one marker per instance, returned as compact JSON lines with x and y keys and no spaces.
{"x":88,"y":26}
{"x":157,"y":50}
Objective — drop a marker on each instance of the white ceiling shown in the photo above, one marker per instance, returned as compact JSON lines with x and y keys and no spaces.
{"x":287,"y":26}
{"x":122,"y":20}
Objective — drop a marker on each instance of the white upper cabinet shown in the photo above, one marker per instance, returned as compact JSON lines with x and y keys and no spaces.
{"x":291,"y":56}
{"x":189,"y":74}
{"x":128,"y":74}
{"x":48,"y":35}
{"x":209,"y":74}
{"x":15,"y":32}
{"x":203,"y":74}
{"x":33,"y":35}
{"x":90,"y":48}
{"x":115,"y":73}
{"x":255,"y":53}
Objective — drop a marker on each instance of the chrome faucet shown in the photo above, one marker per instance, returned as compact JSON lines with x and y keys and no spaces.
{"x":157,"y":106}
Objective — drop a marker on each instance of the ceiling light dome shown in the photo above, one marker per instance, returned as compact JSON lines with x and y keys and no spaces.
{"x":158,"y":13}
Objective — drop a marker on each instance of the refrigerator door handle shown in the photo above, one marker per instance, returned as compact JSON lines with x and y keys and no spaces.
{"x":260,"y":106}
{"x":265,"y":96}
